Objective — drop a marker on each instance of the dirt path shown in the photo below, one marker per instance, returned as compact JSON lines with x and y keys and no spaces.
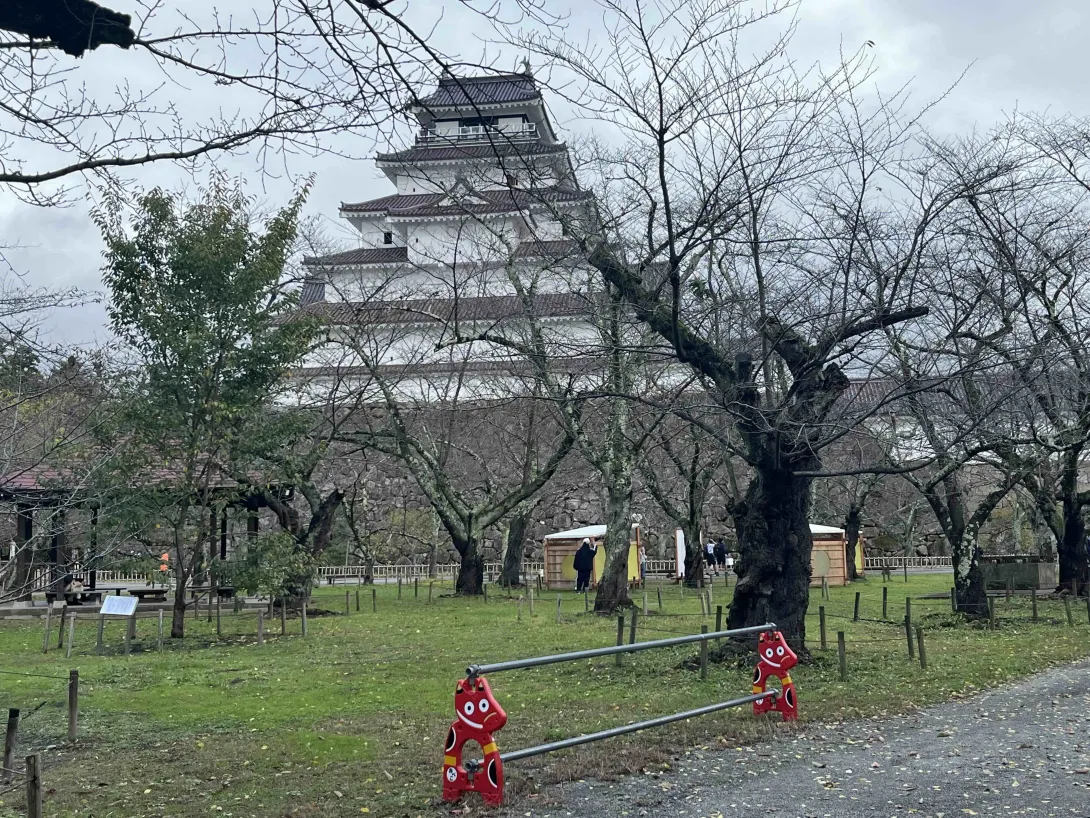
{"x":1019,"y":750}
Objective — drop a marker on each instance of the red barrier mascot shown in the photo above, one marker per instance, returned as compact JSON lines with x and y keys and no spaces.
{"x":775,"y":658}
{"x":478,"y":716}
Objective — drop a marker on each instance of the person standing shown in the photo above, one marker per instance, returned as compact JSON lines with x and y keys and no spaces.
{"x":709,"y":556}
{"x":583,"y":565}
{"x":721,"y":554}
{"x":642,"y":557}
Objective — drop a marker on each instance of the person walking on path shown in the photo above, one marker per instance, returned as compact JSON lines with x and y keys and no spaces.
{"x":583,"y":564}
{"x":709,"y":556}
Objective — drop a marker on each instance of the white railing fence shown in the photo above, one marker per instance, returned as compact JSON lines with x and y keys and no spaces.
{"x":899,"y":563}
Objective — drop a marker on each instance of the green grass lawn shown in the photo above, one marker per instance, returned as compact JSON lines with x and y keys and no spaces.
{"x":351,"y":719}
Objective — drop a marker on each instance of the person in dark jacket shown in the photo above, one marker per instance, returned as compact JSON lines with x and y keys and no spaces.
{"x":583,"y":565}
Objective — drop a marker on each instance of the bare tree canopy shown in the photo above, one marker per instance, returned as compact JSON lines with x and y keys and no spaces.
{"x":191,"y":83}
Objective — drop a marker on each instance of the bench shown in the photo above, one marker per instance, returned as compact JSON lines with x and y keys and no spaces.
{"x":149,"y":594}
{"x":222,"y":591}
{"x":74,"y":597}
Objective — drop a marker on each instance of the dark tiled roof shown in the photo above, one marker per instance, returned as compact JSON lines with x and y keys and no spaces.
{"x":498,"y":148}
{"x":313,"y":290}
{"x":502,"y":200}
{"x":487,"y":90}
{"x":448,"y":310}
{"x":361,"y":255}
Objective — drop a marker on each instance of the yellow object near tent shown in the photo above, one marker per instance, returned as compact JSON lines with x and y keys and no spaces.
{"x":560,"y":551}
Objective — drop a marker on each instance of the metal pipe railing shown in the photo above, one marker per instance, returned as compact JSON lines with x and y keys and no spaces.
{"x":612,"y":732}
{"x":538,"y":661}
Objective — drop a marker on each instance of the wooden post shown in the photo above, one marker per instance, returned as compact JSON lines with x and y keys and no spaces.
{"x":1067,"y":609}
{"x":128,"y":633}
{"x":60,"y":627}
{"x":484,"y":591}
{"x":399,"y":587}
{"x":159,"y":633}
{"x":658,"y":590}
{"x":1010,"y":588}
{"x":9,"y":745}
{"x":632,"y":629}
{"x":219,"y":629}
{"x":520,"y":609}
{"x":920,"y":646}
{"x":374,"y":600}
{"x":703,"y":655}
{"x":347,"y":602}
{"x":905,"y":564}
{"x":1075,"y":588}
{"x":283,"y":618}
{"x":991,"y":613}
{"x":558,"y":609}
{"x":33,"y":786}
{"x":416,"y":586}
{"x":620,"y":635}
{"x":71,"y":636}
{"x":908,"y":628}
{"x":645,"y":601}
{"x":842,"y":655}
{"x":821,"y":626}
{"x":530,"y":589}
{"x":718,"y":618}
{"x":1088,"y":605}
{"x":101,"y":624}
{"x":586,"y":603}
{"x":885,"y":602}
{"x":825,"y":587}
{"x":855,"y":614}
{"x":703,"y":605}
{"x":48,"y":627}
{"x":1033,"y":601}
{"x":303,"y":616}
{"x":953,"y":600}
{"x":73,"y":705}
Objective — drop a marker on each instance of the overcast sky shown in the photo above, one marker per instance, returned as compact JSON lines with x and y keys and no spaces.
{"x":1018,"y":56}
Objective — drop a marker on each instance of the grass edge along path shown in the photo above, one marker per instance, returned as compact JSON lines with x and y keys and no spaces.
{"x":350,"y":720}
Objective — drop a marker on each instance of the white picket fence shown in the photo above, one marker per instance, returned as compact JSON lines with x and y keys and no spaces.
{"x":900,"y":563}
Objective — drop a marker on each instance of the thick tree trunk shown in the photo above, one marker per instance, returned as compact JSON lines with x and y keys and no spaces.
{"x":969,"y":591}
{"x":694,"y":557}
{"x":177,"y":615}
{"x":613,"y":586}
{"x":516,"y":548}
{"x":774,"y":544}
{"x":470,"y":581}
{"x":851,"y":530}
{"x":1072,"y":548}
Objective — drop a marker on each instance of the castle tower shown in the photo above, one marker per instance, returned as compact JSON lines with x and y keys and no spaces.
{"x":482,"y":199}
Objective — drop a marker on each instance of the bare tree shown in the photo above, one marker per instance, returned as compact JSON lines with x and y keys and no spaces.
{"x":765,"y":224}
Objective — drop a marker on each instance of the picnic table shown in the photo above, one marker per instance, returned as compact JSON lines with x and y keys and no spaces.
{"x":222,"y":591}
{"x":149,"y":594}
{"x":74,"y":597}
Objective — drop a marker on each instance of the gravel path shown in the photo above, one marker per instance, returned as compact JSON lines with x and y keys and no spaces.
{"x":1019,"y":750}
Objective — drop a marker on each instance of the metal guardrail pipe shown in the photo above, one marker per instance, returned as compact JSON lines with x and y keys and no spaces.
{"x":537,"y":661}
{"x":612,"y":732}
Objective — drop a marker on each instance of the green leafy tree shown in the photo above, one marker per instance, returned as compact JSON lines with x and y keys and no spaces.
{"x":197,"y":300}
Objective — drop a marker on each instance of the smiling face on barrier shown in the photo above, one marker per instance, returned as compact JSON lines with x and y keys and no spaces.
{"x":476,"y":707}
{"x":775,"y":654}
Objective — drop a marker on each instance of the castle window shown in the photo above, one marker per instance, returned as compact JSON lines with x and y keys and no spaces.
{"x":387,"y":238}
